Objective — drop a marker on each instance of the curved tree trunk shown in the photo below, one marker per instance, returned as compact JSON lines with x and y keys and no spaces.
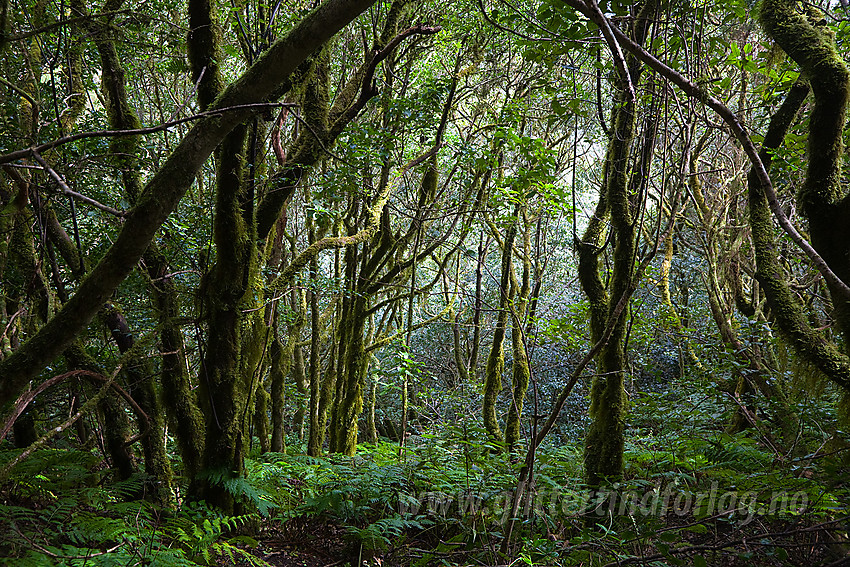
{"x":821,"y":198}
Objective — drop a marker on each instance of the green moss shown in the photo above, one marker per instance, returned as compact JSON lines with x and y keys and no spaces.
{"x":603,"y":456}
{"x":521,"y":376}
{"x":813,"y":48}
{"x":493,"y":385}
{"x":371,"y":429}
{"x":203,"y":51}
{"x":496,"y":359}
{"x":22,"y":277}
{"x":261,"y":418}
{"x":76,"y":98}
{"x":277,"y":375}
{"x":351,"y":381}
{"x":521,"y":373}
{"x":821,"y":198}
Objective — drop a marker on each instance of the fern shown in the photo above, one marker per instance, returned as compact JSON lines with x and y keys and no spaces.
{"x":379,"y":535}
{"x":199,"y":533}
{"x":737,"y":453}
{"x":243,"y":489}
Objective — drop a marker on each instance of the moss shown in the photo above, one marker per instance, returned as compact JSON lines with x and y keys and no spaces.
{"x":493,"y":385}
{"x":394,"y":15}
{"x":521,"y":373}
{"x":76,"y":98}
{"x":325,"y":399}
{"x":261,"y":419}
{"x":496,"y":359}
{"x":277,"y":376}
{"x":22,"y":277}
{"x":821,"y":198}
{"x":429,"y":183}
{"x":588,"y":249}
{"x":203,"y":50}
{"x":521,"y":376}
{"x":351,"y":380}
{"x":299,"y":375}
{"x":234,"y":344}
{"x":813,"y":48}
{"x":371,"y":429}
{"x":603,"y":456}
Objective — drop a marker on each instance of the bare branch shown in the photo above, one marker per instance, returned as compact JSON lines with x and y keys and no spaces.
{"x":53,"y":431}
{"x":738,"y":129}
{"x":71,"y":193}
{"x":41,"y":148}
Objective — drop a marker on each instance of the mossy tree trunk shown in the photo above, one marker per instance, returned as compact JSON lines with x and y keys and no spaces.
{"x":383,"y":266}
{"x":384,"y":262}
{"x":496,"y":358}
{"x":267,"y":79}
{"x":299,"y":375}
{"x":141,"y":375}
{"x":327,"y":117}
{"x":520,"y":370}
{"x":353,"y":365}
{"x":277,"y":377}
{"x":223,"y":391}
{"x":224,"y":388}
{"x":822,"y":198}
{"x":316,"y":430}
{"x":141,"y":388}
{"x":603,"y":456}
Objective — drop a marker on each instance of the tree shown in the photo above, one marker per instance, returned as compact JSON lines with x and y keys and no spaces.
{"x":624,"y":181}
{"x":225,"y":111}
{"x":266,"y":79}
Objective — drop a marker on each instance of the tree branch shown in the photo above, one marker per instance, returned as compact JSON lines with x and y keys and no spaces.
{"x":738,"y":130}
{"x":41,"y":148}
{"x":300,"y":262}
{"x":266,"y":80}
{"x":71,"y":193}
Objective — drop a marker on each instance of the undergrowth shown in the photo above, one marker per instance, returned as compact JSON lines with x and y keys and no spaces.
{"x":692,"y":494}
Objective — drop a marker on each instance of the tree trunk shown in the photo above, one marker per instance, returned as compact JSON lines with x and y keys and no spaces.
{"x":603,"y":457}
{"x":520,"y":372}
{"x":821,"y":198}
{"x":267,"y":79}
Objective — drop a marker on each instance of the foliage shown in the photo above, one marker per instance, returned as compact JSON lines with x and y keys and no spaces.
{"x":341,"y":260}
{"x":66,"y":515}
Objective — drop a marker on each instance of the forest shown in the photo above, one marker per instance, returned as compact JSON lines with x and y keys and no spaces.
{"x":405,"y":282}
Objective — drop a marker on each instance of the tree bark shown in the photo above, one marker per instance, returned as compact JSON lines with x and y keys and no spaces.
{"x":265,"y":80}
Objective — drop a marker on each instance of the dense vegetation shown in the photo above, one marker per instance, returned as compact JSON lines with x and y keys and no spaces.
{"x":550,"y":282}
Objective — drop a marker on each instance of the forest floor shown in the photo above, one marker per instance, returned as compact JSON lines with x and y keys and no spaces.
{"x":312,"y":542}
{"x":306,"y":543}
{"x":446,"y":501}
